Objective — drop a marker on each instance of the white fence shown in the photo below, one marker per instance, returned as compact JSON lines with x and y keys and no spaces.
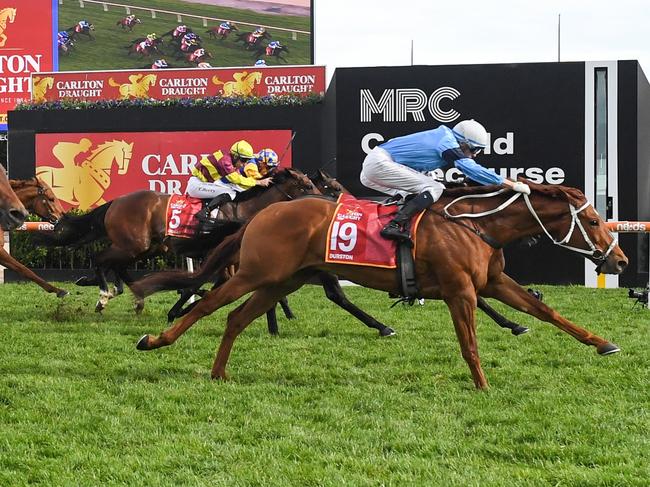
{"x":180,"y":16}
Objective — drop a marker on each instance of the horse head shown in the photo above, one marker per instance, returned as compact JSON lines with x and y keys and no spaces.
{"x":327,"y":185}
{"x":38,"y":197}
{"x":569,"y":220}
{"x":293,"y":183}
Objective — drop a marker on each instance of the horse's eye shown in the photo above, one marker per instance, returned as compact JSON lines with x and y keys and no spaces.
{"x":593,"y":223}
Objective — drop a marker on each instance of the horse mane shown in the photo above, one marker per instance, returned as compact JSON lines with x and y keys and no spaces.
{"x":572,"y":195}
{"x":18,"y":184}
{"x":279,"y":177}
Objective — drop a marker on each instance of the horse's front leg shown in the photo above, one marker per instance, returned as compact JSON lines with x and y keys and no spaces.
{"x":509,"y":292}
{"x":8,"y":261}
{"x":462,"y":305}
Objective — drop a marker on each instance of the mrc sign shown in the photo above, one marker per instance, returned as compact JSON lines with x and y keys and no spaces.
{"x":526,"y":137}
{"x":27,"y":30}
{"x":85,"y":170}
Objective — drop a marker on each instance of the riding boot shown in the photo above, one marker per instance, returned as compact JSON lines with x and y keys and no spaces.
{"x":397,"y":229}
{"x":215,"y":202}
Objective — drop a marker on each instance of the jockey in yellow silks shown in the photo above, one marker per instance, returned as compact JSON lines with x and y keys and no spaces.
{"x":218,"y":175}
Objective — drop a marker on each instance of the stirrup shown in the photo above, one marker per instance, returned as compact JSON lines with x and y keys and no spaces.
{"x":392,"y":231}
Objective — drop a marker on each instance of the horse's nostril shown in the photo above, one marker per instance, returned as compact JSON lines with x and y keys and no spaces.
{"x":622,"y":264}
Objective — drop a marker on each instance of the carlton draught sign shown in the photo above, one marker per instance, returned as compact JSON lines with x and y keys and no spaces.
{"x":178,"y":83}
{"x":26,"y":40}
{"x":87,"y":170}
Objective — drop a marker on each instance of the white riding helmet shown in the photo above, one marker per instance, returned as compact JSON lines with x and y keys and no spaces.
{"x":472,"y":133}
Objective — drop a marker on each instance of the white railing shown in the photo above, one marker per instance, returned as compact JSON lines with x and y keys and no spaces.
{"x":180,"y":16}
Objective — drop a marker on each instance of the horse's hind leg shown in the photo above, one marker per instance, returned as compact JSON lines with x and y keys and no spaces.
{"x":499,"y":319}
{"x":284,"y":304}
{"x":261,"y":301}
{"x":272,"y":321}
{"x":334,"y":293}
{"x":509,"y":292}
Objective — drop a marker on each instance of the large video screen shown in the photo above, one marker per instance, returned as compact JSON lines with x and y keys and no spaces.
{"x":137,"y":34}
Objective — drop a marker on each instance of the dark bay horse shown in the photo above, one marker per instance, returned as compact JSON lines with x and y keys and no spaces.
{"x":249,"y":40}
{"x":276,"y":52}
{"x":135,"y":226}
{"x":39,"y":199}
{"x":283,"y":246}
{"x":128,"y":23}
{"x":77,"y":30}
{"x":220,"y":33}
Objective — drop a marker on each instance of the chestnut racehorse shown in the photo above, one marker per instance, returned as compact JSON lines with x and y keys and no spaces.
{"x":457,"y":258}
{"x":39,"y":199}
{"x":12,"y":211}
{"x":190,"y":283}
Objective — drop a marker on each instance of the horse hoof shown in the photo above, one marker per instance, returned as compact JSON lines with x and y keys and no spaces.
{"x":62,"y":293}
{"x":608,"y":349}
{"x":519,"y":330}
{"x":99,"y":307}
{"x":387,"y":332}
{"x":143,"y":343}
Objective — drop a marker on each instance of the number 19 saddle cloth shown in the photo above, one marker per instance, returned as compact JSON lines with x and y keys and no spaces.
{"x":353,"y":235}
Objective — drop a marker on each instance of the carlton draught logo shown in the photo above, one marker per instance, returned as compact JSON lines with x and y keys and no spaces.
{"x":40,"y":87}
{"x":137,"y":87}
{"x":243,"y":85}
{"x":396,"y":105}
{"x":82,"y":184}
{"x":6,"y":15}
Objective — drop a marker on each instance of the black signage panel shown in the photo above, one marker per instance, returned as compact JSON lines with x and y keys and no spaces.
{"x":533,"y":112}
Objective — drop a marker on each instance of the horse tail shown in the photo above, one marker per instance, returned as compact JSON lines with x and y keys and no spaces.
{"x":219,"y":258}
{"x":76,"y":230}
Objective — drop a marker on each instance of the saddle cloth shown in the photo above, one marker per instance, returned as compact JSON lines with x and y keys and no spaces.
{"x":181,"y":216}
{"x":353,"y":234}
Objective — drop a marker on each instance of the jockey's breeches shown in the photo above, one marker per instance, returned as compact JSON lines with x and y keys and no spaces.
{"x":200,"y":189}
{"x":381,"y":173}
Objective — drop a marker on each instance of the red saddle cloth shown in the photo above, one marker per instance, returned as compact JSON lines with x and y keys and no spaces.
{"x":181,"y":216}
{"x":353,"y":235}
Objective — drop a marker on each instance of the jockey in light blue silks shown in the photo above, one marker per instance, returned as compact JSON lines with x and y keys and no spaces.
{"x":397,"y":167}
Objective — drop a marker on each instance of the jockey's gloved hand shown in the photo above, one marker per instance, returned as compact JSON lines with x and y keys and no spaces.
{"x":520,"y":187}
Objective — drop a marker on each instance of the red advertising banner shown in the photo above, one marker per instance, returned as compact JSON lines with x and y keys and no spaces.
{"x":87,"y":170}
{"x":26,"y":46}
{"x":161,"y":84}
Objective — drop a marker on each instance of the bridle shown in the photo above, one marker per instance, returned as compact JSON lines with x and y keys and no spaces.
{"x":594,"y":253}
{"x":42,"y":193}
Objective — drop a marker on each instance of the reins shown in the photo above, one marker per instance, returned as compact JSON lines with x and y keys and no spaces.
{"x":595,"y":253}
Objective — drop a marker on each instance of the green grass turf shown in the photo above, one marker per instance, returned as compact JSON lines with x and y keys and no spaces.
{"x":326,"y":403}
{"x":108,"y":50}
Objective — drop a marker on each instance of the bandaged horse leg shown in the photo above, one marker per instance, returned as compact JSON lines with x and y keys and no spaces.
{"x":509,"y":292}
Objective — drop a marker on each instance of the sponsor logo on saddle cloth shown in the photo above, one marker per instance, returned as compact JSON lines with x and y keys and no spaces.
{"x":181,"y":216}
{"x":353,"y":235}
